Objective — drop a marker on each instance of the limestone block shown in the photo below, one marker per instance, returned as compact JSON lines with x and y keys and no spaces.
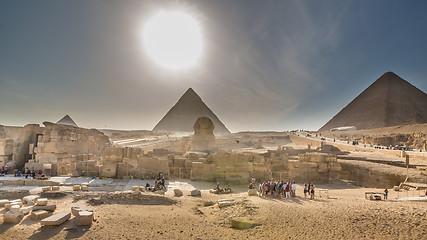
{"x":240,"y":224}
{"x":84,"y":188}
{"x":85,"y":218}
{"x":77,"y":197}
{"x":188,"y":163}
{"x":261,"y":167}
{"x":12,"y":217}
{"x":3,"y":202}
{"x":31,"y":199}
{"x":15,"y":207}
{"x":252,"y":192}
{"x":49,"y":208}
{"x":46,"y":189}
{"x":26,"y":210}
{"x":76,"y":209}
{"x":56,"y":219}
{"x":196,"y":193}
{"x":76,"y":187}
{"x":323,"y":167}
{"x":207,"y":203}
{"x":334,"y":167}
{"x":225,"y":202}
{"x":41,"y":202}
{"x":179,"y":162}
{"x":9,"y":205}
{"x":277,"y":167}
{"x":177,"y":192}
{"x":331,"y":158}
{"x":108,"y":169}
{"x":55,"y":188}
{"x":142,"y":189}
{"x":39,"y":214}
{"x":134,"y":188}
{"x":313,"y":165}
{"x":334,"y":176}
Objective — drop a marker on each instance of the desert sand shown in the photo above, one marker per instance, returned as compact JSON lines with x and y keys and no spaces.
{"x":345,"y":214}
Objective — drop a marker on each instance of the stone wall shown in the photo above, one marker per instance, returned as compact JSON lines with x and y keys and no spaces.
{"x":62,"y":149}
{"x":21,"y":138}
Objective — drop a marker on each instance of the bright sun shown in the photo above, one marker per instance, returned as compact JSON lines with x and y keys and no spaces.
{"x":173,"y":40}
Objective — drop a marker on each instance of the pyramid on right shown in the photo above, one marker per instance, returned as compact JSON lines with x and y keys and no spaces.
{"x":389,"y":101}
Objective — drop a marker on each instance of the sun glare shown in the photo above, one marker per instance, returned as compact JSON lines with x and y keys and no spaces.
{"x":173,"y":40}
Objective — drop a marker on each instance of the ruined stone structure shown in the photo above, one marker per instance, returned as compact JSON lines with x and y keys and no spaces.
{"x":16,"y":144}
{"x":63,"y":148}
{"x":203,"y":139}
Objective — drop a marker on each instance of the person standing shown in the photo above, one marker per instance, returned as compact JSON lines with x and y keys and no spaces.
{"x":305,"y":190}
{"x":385,"y":194}
{"x":312,"y":191}
{"x":287,"y":190}
{"x":294,"y":189}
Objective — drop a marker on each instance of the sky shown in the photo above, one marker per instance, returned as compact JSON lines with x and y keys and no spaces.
{"x":265,"y":65}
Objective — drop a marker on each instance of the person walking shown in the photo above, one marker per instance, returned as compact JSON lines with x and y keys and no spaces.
{"x":385,"y":194}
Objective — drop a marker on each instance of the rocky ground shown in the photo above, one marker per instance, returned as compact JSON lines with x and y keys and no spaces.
{"x":346,"y":214}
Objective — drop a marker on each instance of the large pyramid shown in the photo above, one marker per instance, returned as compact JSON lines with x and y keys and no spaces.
{"x":66,"y":120}
{"x":389,"y":101}
{"x":182,"y":116}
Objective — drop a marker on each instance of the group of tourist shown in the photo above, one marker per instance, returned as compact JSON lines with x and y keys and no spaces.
{"x":4,"y":170}
{"x":282,"y":189}
{"x":159,"y":184}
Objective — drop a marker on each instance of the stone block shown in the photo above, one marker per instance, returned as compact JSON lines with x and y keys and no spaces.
{"x":12,"y":217}
{"x":15,"y":207}
{"x":196,"y":193}
{"x":134,"y":188}
{"x":31,"y":199}
{"x":76,"y":209}
{"x":8,"y":206}
{"x":207,"y":203}
{"x":108,"y":169}
{"x":312,"y":165}
{"x":323,"y":167}
{"x":46,"y":189}
{"x":55,"y":188}
{"x":39,"y":214}
{"x":252,"y":192}
{"x":334,"y":167}
{"x":85,"y":218}
{"x":56,"y":220}
{"x":3,"y":202}
{"x":84,"y":188}
{"x":136,"y":192}
{"x":240,"y":224}
{"x":26,"y":210}
{"x":177,"y":192}
{"x":42,"y":202}
{"x":49,"y":208}
{"x":225,"y":202}
{"x":142,"y":189}
{"x":77,"y":187}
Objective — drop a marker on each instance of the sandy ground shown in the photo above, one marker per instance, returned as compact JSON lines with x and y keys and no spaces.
{"x":344,"y":215}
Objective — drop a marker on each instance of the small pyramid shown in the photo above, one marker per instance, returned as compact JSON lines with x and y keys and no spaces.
{"x":182,"y":116}
{"x":67,"y":121}
{"x":389,"y":101}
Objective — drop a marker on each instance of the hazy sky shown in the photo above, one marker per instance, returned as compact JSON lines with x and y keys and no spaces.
{"x":266,"y":65}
